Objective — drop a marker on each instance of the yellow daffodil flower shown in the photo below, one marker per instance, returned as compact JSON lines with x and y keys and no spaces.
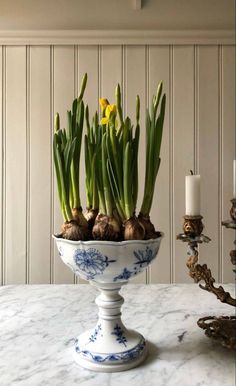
{"x":103,"y":103}
{"x":109,"y":109}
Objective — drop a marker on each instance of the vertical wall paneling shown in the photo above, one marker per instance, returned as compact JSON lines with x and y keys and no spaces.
{"x":199,"y":134}
{"x":76,"y":92}
{"x":160,"y":213}
{"x":15,"y":243}
{"x":111,"y":71}
{"x":135,"y":83}
{"x":228,"y":154}
{"x":2,"y":96}
{"x":88,"y":63}
{"x":183,"y":140}
{"x":220,"y":128}
{"x":87,"y":59}
{"x":40,"y":165}
{"x":53,"y":179}
{"x":209,"y":152}
{"x":196,"y":109}
{"x":28,"y":198}
{"x":170,"y":171}
{"x":64,"y":89}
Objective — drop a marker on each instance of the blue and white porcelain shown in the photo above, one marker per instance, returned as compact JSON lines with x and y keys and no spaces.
{"x":110,"y":346}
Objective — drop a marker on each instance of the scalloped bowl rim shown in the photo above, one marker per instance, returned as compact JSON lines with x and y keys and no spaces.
{"x":104,"y":242}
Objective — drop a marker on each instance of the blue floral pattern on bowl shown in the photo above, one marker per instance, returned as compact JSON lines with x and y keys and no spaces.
{"x":144,"y":258}
{"x":91,"y":262}
{"x":124,"y":275}
{"x":108,"y":261}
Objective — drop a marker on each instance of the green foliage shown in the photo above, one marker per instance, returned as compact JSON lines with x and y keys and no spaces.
{"x":111,"y":156}
{"x":66,"y":154}
{"x":154,"y":130}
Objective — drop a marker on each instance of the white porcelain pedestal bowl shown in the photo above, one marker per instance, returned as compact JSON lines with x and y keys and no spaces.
{"x":110,"y":346}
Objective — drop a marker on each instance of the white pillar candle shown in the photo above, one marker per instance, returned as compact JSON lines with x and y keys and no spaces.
{"x":192,"y":195}
{"x":234,"y":179}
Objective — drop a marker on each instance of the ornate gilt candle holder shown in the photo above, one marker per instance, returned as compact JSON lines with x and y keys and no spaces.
{"x":232,"y":224}
{"x":222,"y":328}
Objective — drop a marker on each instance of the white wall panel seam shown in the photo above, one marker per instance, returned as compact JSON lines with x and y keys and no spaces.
{"x":4,"y":112}
{"x":194,"y":110}
{"x":3,"y":151}
{"x":195,"y":81}
{"x":98,"y":77}
{"x":99,"y":72}
{"x":76,"y":87}
{"x":1,"y":162}
{"x":28,"y":198}
{"x":220,"y":160}
{"x":124,"y":86}
{"x":125,"y":82}
{"x":171,"y":157}
{"x":147,"y":80}
{"x":52,"y":244}
{"x":122,"y":74}
{"x":76,"y":68}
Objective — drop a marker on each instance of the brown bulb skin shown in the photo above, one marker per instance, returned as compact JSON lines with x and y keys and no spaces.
{"x":72,"y":231}
{"x":106,"y":228}
{"x":79,"y":217}
{"x":150,"y":232}
{"x":133,"y":230}
{"x":90,"y":215}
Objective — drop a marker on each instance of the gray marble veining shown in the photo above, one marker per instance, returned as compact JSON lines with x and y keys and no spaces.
{"x":38,"y":324}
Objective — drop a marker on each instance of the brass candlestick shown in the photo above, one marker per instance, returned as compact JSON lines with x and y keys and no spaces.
{"x":220,"y":328}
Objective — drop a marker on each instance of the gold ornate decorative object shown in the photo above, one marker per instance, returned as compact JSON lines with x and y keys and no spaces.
{"x":201,"y":272}
{"x":233,"y":210}
{"x":233,"y":254}
{"x":221,"y":328}
{"x":232,"y":224}
{"x":193,"y":225}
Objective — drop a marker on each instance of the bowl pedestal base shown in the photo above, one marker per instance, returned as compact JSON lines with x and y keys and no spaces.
{"x":110,"y":346}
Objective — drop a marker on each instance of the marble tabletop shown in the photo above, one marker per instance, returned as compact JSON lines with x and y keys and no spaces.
{"x":38,"y":324}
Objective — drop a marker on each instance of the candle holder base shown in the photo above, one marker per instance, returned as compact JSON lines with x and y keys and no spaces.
{"x":222,"y":329}
{"x":193,"y":225}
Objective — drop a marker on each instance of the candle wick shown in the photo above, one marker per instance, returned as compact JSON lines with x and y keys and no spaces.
{"x":191,"y":172}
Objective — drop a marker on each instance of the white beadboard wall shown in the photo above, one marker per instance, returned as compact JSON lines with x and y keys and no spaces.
{"x":199,"y":134}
